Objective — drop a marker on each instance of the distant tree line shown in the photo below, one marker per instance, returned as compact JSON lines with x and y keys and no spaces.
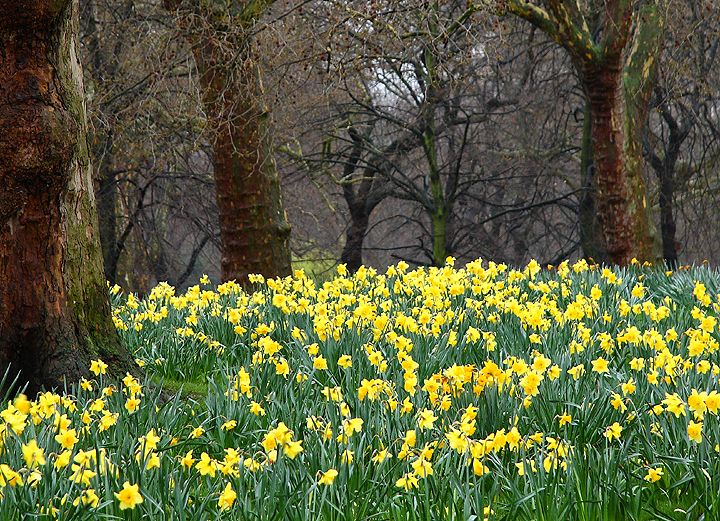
{"x":507,"y":130}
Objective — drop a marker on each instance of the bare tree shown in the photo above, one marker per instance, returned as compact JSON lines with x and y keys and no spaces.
{"x":681,"y":142}
{"x":154,"y":182}
{"x":420,"y":123}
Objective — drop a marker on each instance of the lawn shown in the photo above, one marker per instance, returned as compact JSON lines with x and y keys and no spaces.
{"x":484,"y":392}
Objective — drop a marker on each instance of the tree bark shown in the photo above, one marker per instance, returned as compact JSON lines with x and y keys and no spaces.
{"x":618,"y":73}
{"x":668,"y":179}
{"x":253,"y":227}
{"x":590,"y":234}
{"x":360,"y":202}
{"x":351,"y":254}
{"x":54,"y":304}
{"x":433,"y":95}
{"x":254,"y":230}
{"x":621,"y":201}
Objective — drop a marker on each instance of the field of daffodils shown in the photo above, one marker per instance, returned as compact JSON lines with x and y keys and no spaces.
{"x":484,"y":392}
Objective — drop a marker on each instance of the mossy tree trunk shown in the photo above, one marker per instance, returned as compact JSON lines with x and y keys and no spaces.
{"x":618,"y":72}
{"x":54,"y":306}
{"x":254,"y":230}
{"x":590,"y":234}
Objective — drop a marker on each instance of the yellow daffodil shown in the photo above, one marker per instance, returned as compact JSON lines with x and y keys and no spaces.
{"x":654,"y":474}
{"x":227,"y":497}
{"x":328,"y":477}
{"x":694,"y":431}
{"x":129,"y":496}
{"x":206,"y":466}
{"x":613,"y":431}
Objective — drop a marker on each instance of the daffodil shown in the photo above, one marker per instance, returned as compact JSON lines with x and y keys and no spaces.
{"x":674,"y":404}
{"x":32,"y":454}
{"x":206,"y":466}
{"x":613,"y":431}
{"x":565,"y":419}
{"x":129,"y":496}
{"x":381,"y":456}
{"x":187,"y":461}
{"x":292,"y":448}
{"x":328,"y":477}
{"x":229,"y":425}
{"x":82,"y":475}
{"x":654,"y":474}
{"x":408,"y":481}
{"x":426,"y":419}
{"x":256,"y":409}
{"x":694,"y":431}
{"x":600,"y":365}
{"x":227,"y":497}
{"x":98,"y":367}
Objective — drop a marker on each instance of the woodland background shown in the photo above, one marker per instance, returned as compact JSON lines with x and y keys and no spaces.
{"x":342,"y":84}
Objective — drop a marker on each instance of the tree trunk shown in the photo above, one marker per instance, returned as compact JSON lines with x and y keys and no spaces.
{"x":590,"y":233}
{"x":106,"y":190}
{"x":360,"y":202}
{"x":618,"y":72}
{"x":359,"y":210}
{"x":433,"y":95}
{"x":107,"y":208}
{"x":621,"y":197}
{"x":352,"y":251}
{"x":254,"y":230}
{"x":54,"y":306}
{"x":667,"y":178}
{"x":667,"y":220}
{"x":667,"y":174}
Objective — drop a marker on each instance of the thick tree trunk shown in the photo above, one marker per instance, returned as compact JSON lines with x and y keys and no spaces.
{"x":54,"y":307}
{"x":254,"y":230}
{"x":352,"y":251}
{"x":360,"y":212}
{"x":618,"y":66}
{"x":621,"y":196}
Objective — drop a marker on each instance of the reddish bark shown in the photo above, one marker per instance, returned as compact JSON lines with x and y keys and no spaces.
{"x":44,"y":333}
{"x":608,"y":139}
{"x":618,"y":69}
{"x":254,"y":230}
{"x":616,"y":137}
